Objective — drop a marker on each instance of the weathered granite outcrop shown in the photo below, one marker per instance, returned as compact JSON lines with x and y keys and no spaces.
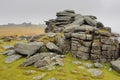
{"x":87,"y":37}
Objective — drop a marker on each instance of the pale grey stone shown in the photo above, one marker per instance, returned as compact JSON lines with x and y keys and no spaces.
{"x":52,"y":78}
{"x":76,"y":62}
{"x":12,"y":58}
{"x":95,"y":72}
{"x":51,"y":34}
{"x":116,"y":65}
{"x":98,"y":65}
{"x":88,"y":65}
{"x":8,"y":47}
{"x":39,"y":77}
{"x":28,"y":72}
{"x":28,"y":49}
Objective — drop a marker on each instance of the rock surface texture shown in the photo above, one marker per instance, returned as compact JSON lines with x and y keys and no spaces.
{"x":87,"y":37}
{"x":28,"y":49}
{"x":45,"y":60}
{"x":116,"y":65}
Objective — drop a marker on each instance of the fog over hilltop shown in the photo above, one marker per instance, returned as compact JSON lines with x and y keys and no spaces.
{"x":38,"y":11}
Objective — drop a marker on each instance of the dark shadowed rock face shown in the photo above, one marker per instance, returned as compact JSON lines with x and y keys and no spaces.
{"x":63,"y":44}
{"x":28,"y":49}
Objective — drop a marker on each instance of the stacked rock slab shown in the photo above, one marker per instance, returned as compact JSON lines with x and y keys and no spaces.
{"x":89,"y":39}
{"x":104,"y":46}
{"x":110,"y":46}
{"x":81,"y":42}
{"x":63,"y":18}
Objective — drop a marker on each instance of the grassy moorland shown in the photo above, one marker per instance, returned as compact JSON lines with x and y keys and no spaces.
{"x":13,"y":71}
{"x":20,"y":30}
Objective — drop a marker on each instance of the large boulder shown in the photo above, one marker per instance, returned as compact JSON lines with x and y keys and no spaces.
{"x":52,"y":47}
{"x":100,"y":25}
{"x":28,"y":49}
{"x":116,"y":65}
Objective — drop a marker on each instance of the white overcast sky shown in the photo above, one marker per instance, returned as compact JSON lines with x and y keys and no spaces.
{"x":38,"y":11}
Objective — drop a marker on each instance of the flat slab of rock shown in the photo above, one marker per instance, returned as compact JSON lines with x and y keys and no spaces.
{"x":70,"y":28}
{"x":90,"y":21}
{"x":31,"y":60}
{"x":28,"y":49}
{"x":51,"y":34}
{"x":8,"y":47}
{"x":28,"y":72}
{"x":76,"y":62}
{"x":88,"y":65}
{"x":1,"y":52}
{"x":52,"y":78}
{"x":52,"y":47}
{"x":9,"y":52}
{"x":98,"y":65}
{"x":39,"y":77}
{"x":95,"y":72}
{"x":116,"y":65}
{"x":12,"y":58}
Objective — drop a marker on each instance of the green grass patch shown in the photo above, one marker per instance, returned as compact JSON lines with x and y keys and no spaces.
{"x":13,"y":71}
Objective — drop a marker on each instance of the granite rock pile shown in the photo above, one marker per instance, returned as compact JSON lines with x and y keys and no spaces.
{"x":45,"y":59}
{"x":88,"y":38}
{"x":63,"y":18}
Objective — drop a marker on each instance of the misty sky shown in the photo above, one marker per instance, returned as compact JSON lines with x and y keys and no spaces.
{"x":38,"y":11}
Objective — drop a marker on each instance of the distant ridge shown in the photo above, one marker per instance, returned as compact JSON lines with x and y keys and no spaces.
{"x":24,"y":24}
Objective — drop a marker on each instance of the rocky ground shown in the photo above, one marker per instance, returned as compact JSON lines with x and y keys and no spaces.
{"x":48,"y":63}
